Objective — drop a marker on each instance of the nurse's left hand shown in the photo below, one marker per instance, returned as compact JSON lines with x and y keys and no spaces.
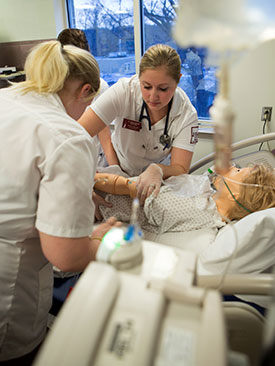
{"x":149,"y":182}
{"x":98,"y":200}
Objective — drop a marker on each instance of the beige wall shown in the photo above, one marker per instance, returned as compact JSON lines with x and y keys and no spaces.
{"x":252,"y":86}
{"x":23,"y":20}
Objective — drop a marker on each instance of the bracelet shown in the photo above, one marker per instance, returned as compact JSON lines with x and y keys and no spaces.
{"x":95,"y":238}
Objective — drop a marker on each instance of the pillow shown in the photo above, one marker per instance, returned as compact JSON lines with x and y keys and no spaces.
{"x":255,"y":247}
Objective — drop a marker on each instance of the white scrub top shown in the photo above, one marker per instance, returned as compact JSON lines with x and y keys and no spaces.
{"x":47,"y":165}
{"x":137,"y":148}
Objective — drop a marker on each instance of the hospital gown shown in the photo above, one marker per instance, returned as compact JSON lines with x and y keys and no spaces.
{"x":173,"y":209}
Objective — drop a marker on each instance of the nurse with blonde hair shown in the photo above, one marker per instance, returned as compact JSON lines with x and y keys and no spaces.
{"x":155,"y":124}
{"x":47,"y":167}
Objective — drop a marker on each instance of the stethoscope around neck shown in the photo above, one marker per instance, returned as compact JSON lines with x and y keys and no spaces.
{"x":164,"y":139}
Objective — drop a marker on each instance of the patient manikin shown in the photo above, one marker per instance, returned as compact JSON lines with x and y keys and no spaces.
{"x":190,"y":202}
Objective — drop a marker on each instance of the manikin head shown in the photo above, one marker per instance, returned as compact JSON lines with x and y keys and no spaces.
{"x":251,"y":190}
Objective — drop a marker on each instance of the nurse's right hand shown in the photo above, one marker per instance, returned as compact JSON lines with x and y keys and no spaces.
{"x":149,"y":182}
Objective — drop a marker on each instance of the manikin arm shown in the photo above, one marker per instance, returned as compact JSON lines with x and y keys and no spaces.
{"x":118,"y":185}
{"x":115,"y":184}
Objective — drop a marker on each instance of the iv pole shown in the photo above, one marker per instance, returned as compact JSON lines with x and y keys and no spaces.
{"x":223,"y":117}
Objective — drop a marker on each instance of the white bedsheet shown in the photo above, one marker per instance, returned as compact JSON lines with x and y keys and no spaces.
{"x":196,"y":240}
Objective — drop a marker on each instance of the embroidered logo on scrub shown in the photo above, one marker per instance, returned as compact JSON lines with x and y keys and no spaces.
{"x":131,"y":124}
{"x":194,"y":135}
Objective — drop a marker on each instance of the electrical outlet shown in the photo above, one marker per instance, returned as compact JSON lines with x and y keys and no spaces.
{"x":266,"y":113}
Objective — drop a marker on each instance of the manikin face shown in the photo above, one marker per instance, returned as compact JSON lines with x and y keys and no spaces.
{"x":157,"y":88}
{"x":233,"y":177}
{"x":223,"y":198}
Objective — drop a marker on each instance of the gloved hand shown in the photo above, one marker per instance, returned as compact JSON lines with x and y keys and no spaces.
{"x":149,"y":182}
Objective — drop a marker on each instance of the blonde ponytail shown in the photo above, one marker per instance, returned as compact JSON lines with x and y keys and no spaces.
{"x":46,"y":69}
{"x":49,"y":65}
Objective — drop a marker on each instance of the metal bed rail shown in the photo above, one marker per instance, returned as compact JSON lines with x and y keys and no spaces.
{"x":235,"y":146}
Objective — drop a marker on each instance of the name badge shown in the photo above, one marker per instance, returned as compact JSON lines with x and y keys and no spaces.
{"x":131,"y":125}
{"x":194,"y":135}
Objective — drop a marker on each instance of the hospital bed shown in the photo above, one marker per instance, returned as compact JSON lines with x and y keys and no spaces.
{"x":115,"y":318}
{"x":199,"y":239}
{"x":187,"y":311}
{"x":255,"y":253}
{"x":157,"y":313}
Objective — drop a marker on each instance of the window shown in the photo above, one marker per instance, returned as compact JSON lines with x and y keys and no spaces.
{"x":110,"y":29}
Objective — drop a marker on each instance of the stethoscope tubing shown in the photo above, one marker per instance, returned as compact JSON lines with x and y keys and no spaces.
{"x":165,"y":139}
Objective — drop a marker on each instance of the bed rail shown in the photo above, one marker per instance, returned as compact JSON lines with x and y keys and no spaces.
{"x":236,"y":146}
{"x":260,"y":284}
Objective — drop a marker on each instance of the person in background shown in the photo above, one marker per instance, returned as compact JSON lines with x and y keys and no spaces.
{"x":77,"y":37}
{"x":194,"y":63}
{"x":153,"y":121}
{"x":47,"y":167}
